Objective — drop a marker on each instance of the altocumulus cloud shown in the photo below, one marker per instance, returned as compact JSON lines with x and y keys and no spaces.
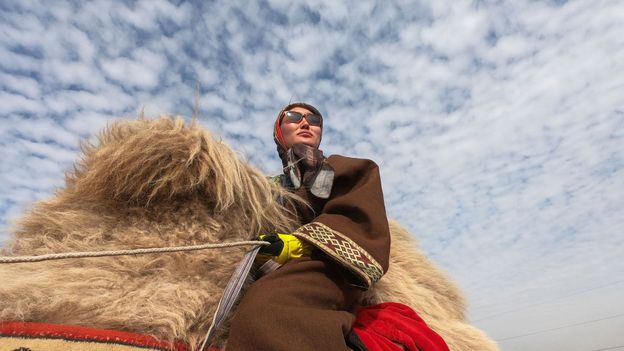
{"x":498,"y":126}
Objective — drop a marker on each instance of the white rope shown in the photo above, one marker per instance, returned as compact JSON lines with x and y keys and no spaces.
{"x":84,"y":254}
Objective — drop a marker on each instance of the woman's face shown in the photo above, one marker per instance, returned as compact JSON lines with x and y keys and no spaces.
{"x":301,"y":132}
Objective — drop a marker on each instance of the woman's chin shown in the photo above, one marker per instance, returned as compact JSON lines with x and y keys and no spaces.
{"x":305,"y":142}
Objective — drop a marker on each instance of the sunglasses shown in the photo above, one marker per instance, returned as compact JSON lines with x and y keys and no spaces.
{"x":296,"y":117}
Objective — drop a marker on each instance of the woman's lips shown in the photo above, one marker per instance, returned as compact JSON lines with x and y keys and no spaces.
{"x":306,"y":134}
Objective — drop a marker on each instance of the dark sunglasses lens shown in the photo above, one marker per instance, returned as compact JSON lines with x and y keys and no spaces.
{"x":314,"y":120}
{"x":293,"y":117}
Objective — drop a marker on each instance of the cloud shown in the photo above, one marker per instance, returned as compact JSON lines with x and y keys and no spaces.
{"x":19,"y":103}
{"x":131,"y":72}
{"x":24,"y":87}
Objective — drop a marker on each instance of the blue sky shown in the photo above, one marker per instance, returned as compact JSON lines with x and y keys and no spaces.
{"x":498,"y":125}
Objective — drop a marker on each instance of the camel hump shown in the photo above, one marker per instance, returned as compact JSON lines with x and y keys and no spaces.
{"x":147,"y":160}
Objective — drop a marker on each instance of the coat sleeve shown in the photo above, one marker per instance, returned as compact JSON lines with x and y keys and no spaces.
{"x":352,"y":227}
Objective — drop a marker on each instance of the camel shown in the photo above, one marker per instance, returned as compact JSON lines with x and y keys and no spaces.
{"x":165,"y":182}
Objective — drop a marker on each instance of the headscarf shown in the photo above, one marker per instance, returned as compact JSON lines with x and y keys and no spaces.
{"x":303,"y":164}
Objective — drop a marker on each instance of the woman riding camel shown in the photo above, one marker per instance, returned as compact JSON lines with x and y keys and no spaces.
{"x":341,"y":250}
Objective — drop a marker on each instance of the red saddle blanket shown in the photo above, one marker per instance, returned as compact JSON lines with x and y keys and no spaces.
{"x":24,"y":336}
{"x":393,"y":326}
{"x":383,"y":327}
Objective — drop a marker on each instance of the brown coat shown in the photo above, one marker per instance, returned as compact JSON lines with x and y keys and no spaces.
{"x":351,"y":225}
{"x":312,"y":300}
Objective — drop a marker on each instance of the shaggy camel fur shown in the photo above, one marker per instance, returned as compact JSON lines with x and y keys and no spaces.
{"x":153,"y":183}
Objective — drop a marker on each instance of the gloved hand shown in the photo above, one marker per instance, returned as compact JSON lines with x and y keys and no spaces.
{"x":283,"y":248}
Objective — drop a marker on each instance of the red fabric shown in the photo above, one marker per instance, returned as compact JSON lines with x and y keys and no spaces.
{"x":277,"y":132}
{"x":390,"y":325}
{"x":69,"y":332}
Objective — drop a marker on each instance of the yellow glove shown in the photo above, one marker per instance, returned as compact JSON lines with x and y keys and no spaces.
{"x":283,"y":248}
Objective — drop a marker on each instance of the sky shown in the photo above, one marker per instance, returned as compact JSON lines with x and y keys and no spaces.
{"x":498,"y":126}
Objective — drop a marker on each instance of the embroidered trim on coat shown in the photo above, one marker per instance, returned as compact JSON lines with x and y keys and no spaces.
{"x":343,"y":249}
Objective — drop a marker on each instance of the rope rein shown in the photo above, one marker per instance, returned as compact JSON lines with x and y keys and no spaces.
{"x":85,"y":254}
